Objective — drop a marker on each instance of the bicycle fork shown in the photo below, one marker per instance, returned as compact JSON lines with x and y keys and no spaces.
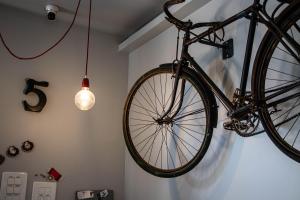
{"x":165,"y":118}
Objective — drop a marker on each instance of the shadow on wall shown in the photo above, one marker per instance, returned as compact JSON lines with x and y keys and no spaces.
{"x":207,"y":175}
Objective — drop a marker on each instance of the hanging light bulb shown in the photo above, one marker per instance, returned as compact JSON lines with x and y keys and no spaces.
{"x":85,"y":99}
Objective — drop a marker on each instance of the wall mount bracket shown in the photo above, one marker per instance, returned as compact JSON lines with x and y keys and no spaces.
{"x":227,"y":47}
{"x":228,"y":50}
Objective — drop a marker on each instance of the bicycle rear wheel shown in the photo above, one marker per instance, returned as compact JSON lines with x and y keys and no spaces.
{"x":278,"y":86}
{"x":172,"y":148}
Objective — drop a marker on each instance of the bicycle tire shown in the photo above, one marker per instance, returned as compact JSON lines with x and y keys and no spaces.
{"x":165,"y":169}
{"x":269,"y":77}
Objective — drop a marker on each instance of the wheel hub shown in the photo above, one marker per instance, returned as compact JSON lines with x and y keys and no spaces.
{"x":166,"y":120}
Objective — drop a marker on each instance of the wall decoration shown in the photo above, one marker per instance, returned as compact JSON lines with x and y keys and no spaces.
{"x":95,"y":195}
{"x":42,"y":99}
{"x":54,"y":174}
{"x":2,"y":159}
{"x":12,"y":151}
{"x":27,"y":146}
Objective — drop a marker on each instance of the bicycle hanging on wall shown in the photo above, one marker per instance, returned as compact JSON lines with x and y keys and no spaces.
{"x":171,"y":110}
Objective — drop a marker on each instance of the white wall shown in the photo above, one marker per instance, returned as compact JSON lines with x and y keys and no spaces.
{"x":234,"y":168}
{"x":86,"y":147}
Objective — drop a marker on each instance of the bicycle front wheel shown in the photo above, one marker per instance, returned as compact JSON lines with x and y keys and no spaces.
{"x":173,"y":147}
{"x":278,"y":86}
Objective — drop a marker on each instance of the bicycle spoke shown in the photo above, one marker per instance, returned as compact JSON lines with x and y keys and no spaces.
{"x":296,"y":138}
{"x":161,"y":92}
{"x":160,"y":149}
{"x":137,"y":125}
{"x":165,"y":90}
{"x":291,"y":128}
{"x":200,"y":125}
{"x":184,"y":120}
{"x":188,"y":104}
{"x":174,"y":134}
{"x":285,"y":73}
{"x":288,"y":113}
{"x":183,"y":141}
{"x":177,"y":147}
{"x":151,"y":146}
{"x":143,"y":131}
{"x":287,"y":81}
{"x":144,"y":114}
{"x":143,"y":120}
{"x":285,"y":61}
{"x":184,"y":129}
{"x":285,"y":51}
{"x":153,"y":104}
{"x":147,"y":102}
{"x":147,"y":110}
{"x":154,"y":92}
{"x":287,"y":120}
{"x":191,"y":130}
{"x":167,"y":148}
{"x":147,"y":138}
{"x":194,"y":112}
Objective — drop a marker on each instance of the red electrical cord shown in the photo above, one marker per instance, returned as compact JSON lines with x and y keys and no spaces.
{"x":88,"y":40}
{"x":47,"y":50}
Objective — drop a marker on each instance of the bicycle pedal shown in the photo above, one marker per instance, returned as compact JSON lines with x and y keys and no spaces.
{"x":229,"y":126}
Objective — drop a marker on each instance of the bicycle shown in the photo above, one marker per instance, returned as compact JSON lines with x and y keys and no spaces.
{"x":171,"y":110}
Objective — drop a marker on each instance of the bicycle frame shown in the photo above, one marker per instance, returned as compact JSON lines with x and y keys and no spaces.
{"x":256,"y":14}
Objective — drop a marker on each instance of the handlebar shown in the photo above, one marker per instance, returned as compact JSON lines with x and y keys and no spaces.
{"x":180,"y":24}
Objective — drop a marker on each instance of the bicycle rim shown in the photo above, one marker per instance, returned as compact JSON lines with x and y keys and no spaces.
{"x":166,"y":149}
{"x":280,"y":71}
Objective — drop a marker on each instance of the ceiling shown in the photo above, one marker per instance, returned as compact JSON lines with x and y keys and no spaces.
{"x":120,"y":18}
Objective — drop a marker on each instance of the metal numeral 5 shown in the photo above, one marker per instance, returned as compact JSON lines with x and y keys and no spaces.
{"x":42,"y":99}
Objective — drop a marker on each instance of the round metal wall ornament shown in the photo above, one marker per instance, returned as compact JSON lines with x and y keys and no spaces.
{"x":27,"y":146}
{"x":12,"y":151}
{"x":2,"y":159}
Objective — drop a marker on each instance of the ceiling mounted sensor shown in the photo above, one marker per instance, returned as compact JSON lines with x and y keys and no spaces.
{"x":51,"y":10}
